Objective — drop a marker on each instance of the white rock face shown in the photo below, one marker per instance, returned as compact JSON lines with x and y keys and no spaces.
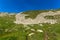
{"x":20,"y":18}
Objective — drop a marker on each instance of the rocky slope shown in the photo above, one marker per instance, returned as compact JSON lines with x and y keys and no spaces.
{"x":12,"y":28}
{"x":36,"y":17}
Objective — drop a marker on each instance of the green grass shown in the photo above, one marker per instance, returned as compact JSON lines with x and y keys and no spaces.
{"x":33,"y":14}
{"x":49,"y":17}
{"x":52,"y":17}
{"x":53,"y":30}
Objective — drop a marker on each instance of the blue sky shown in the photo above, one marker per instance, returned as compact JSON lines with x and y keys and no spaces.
{"x":24,"y":5}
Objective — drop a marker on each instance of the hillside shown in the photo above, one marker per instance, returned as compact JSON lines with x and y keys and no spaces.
{"x":39,"y":25}
{"x":36,"y":17}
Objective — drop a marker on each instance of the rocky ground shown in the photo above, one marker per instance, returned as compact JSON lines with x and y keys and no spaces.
{"x":20,"y":18}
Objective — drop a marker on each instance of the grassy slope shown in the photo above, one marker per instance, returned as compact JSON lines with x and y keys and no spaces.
{"x":33,"y":13}
{"x":6,"y":22}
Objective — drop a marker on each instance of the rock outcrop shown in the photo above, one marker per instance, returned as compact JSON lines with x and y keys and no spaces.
{"x":20,"y":18}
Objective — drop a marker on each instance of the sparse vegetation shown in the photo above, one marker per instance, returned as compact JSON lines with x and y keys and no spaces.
{"x":33,"y":14}
{"x":49,"y":17}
